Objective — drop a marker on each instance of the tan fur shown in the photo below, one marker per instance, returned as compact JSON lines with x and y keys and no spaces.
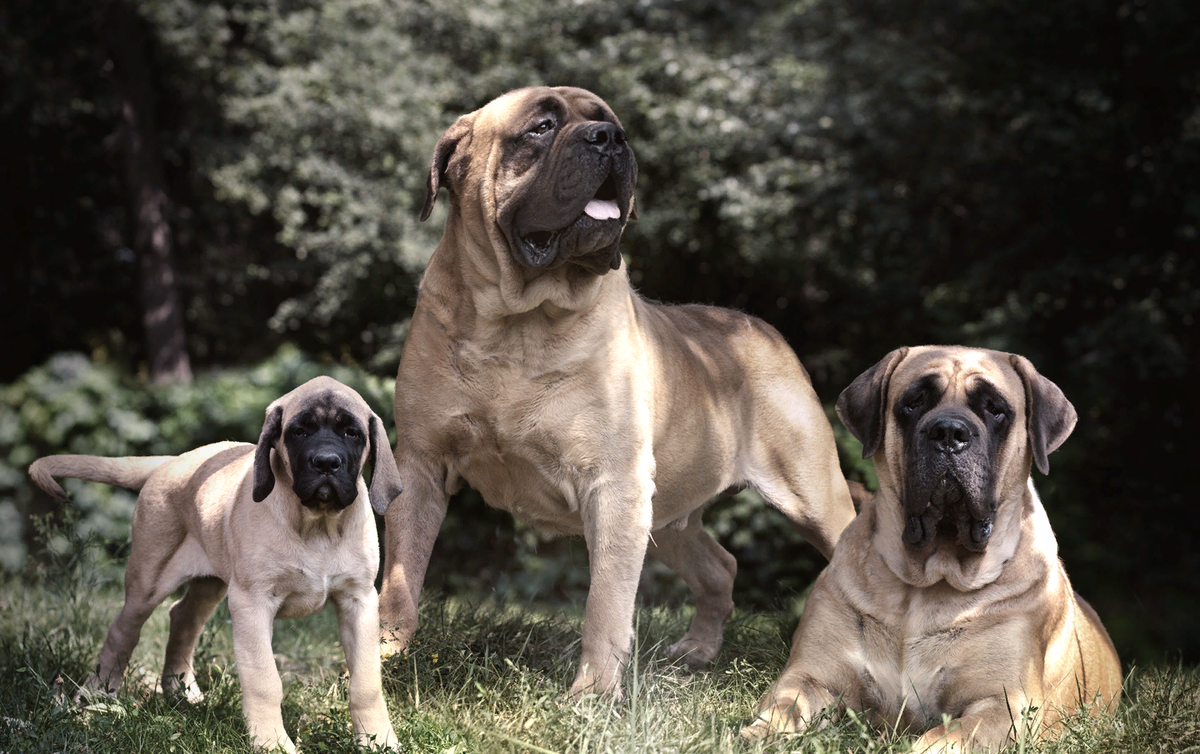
{"x":575,"y":404}
{"x":907,"y":638}
{"x":196,"y":523}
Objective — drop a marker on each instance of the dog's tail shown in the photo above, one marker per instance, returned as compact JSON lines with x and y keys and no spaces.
{"x":131,"y":471}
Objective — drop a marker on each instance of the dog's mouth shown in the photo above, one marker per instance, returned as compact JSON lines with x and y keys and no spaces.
{"x":948,"y":516}
{"x":325,"y":496}
{"x":601,"y":213}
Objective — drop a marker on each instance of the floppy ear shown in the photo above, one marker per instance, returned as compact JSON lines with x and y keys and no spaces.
{"x":385,"y":478}
{"x":441,"y":170}
{"x":1049,"y":416}
{"x":264,"y":477}
{"x":861,"y":405}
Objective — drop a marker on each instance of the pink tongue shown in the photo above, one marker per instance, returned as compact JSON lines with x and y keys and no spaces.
{"x":602,"y":209}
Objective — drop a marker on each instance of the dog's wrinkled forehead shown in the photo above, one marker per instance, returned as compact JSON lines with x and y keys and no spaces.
{"x":323,"y":399}
{"x":952,"y":372}
{"x":511,"y":111}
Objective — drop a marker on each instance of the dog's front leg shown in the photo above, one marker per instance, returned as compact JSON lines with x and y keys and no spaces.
{"x":358,"y":624}
{"x":986,"y":725}
{"x":617,"y":528}
{"x":262,"y":692}
{"x":413,"y":521}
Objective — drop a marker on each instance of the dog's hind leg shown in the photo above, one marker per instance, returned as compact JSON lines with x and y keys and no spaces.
{"x":148,"y":580}
{"x":708,"y":570}
{"x":188,"y":616}
{"x":797,"y":469}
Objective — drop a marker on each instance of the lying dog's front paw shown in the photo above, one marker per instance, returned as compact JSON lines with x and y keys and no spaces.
{"x":773,"y":722}
{"x":695,"y":654}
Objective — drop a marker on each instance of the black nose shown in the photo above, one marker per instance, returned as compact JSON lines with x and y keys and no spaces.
{"x":326,"y":463}
{"x":605,"y":138}
{"x":950,"y":435}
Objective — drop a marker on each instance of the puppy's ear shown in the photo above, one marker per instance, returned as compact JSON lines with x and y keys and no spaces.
{"x":385,"y":479}
{"x":450,"y":160}
{"x":862,"y":405}
{"x":1049,"y":416}
{"x":264,"y":477}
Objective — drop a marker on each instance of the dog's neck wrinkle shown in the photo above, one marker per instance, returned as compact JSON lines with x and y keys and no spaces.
{"x":501,"y":287}
{"x":500,"y":292}
{"x":963,"y":573}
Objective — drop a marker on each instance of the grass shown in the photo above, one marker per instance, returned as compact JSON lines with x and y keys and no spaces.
{"x":480,"y":676}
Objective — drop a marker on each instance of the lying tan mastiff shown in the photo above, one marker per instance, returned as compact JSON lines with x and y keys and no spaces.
{"x":536,"y":374}
{"x":945,"y":597}
{"x":281,"y":527}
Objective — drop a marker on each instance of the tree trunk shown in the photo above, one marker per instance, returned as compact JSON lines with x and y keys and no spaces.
{"x":162,"y":312}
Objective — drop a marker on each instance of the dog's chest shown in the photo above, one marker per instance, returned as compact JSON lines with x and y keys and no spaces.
{"x":906,"y":663}
{"x":527,"y":441}
{"x":308,"y":582}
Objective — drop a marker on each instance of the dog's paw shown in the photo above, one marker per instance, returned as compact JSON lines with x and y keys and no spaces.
{"x":95,"y":691}
{"x":588,"y":682}
{"x":772,"y":723}
{"x":385,"y":739}
{"x":759,"y":730}
{"x":694,"y":653}
{"x":175,"y":687}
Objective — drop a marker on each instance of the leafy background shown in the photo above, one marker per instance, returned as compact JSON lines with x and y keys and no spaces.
{"x":1016,"y":174}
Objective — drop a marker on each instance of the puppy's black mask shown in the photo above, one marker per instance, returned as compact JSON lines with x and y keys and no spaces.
{"x":950,"y":452}
{"x":325,"y":447}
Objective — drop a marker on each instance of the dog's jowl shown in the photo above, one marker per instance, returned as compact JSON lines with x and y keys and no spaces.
{"x":535,"y":373}
{"x":945,"y":596}
{"x":281,"y":527}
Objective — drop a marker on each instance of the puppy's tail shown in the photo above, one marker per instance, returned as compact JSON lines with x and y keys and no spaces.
{"x":131,"y":472}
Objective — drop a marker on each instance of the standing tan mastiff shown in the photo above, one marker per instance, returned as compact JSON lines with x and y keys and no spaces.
{"x":281,"y":527}
{"x":945,"y":597}
{"x":536,"y":374}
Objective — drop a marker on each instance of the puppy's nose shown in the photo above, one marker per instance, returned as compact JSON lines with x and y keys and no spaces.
{"x":950,"y":435}
{"x":605,"y":138}
{"x":326,"y":463}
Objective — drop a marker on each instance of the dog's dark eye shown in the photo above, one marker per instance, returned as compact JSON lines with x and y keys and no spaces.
{"x":995,"y":409}
{"x":912,"y":404}
{"x":542,"y":127}
{"x":351,"y":432}
{"x":298,"y":432}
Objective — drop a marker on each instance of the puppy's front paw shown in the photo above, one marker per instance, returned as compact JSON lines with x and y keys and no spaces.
{"x":270,"y":743}
{"x":386,"y":738}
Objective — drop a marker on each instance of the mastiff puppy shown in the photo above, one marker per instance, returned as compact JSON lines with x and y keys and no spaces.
{"x":281,"y":527}
{"x":535,"y":373}
{"x":945,"y":598}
